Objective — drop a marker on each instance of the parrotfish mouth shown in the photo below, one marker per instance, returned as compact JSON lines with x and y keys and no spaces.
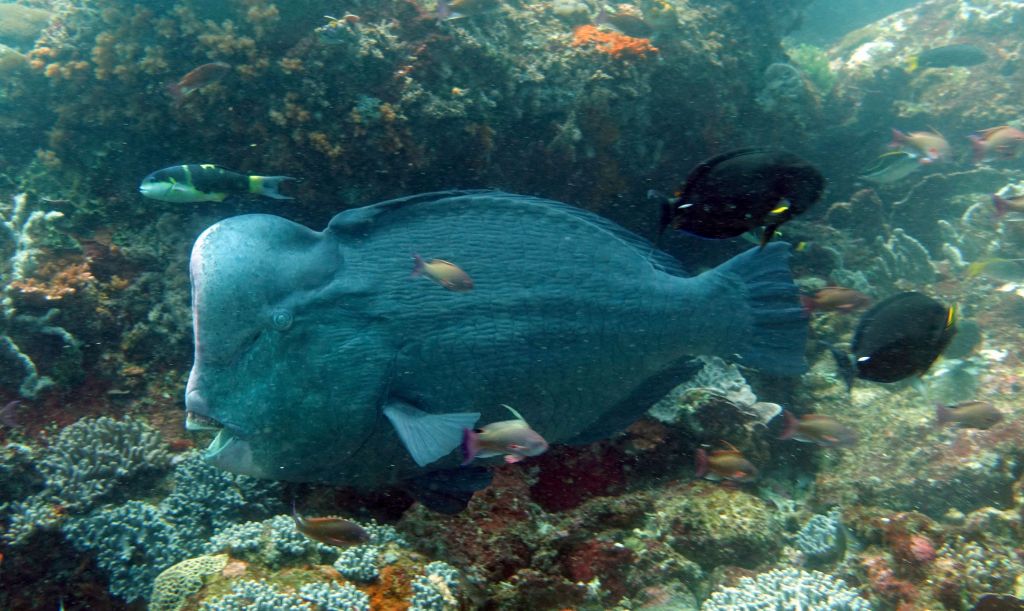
{"x":198,"y":422}
{"x":229,"y":452}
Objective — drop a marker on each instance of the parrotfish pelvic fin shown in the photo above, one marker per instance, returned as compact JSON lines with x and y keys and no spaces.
{"x":428,"y":437}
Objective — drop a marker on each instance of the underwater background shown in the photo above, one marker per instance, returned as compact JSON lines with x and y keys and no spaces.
{"x":105,"y":501}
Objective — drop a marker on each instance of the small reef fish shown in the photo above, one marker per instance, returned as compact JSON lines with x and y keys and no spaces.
{"x":898,"y":338}
{"x":457,"y":9}
{"x":338,"y":532}
{"x":835,"y":299}
{"x":891,"y":167}
{"x":513,"y":438}
{"x":969,"y":415}
{"x":947,"y":56}
{"x":626,"y":23}
{"x":997,"y":143}
{"x":207,"y":183}
{"x":1003,"y":270}
{"x":736,"y":192}
{"x":819,"y":429}
{"x":728,"y":464}
{"x":197,"y":78}
{"x":929,"y":147}
{"x":1007,"y":204}
{"x":445,"y":273}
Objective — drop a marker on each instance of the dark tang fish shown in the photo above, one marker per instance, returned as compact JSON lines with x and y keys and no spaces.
{"x":325,"y":362}
{"x":735,"y":192}
{"x":901,"y":337}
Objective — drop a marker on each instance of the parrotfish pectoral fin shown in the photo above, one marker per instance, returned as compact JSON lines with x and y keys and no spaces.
{"x":428,"y":437}
{"x":448,"y":491}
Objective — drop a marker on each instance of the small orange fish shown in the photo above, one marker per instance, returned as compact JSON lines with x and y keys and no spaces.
{"x":338,"y":532}
{"x":969,"y":415}
{"x":1008,"y":204}
{"x":820,"y":429}
{"x":197,"y":78}
{"x":835,"y":299}
{"x":445,"y":273}
{"x":728,"y":464}
{"x":928,"y":146}
{"x":513,"y":438}
{"x":995,"y":143}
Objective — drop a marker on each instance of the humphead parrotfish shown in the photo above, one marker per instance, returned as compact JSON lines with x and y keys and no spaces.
{"x":321,"y":360}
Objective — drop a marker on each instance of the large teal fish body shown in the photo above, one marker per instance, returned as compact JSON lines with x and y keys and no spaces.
{"x":325,"y":361}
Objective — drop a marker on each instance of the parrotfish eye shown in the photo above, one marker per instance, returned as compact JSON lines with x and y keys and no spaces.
{"x":281,"y":319}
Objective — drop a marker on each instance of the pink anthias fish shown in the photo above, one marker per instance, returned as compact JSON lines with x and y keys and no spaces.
{"x":513,"y":438}
{"x":929,"y":147}
{"x":997,"y":143}
{"x":197,"y":78}
{"x":445,"y":273}
{"x":728,"y":464}
{"x":819,"y":429}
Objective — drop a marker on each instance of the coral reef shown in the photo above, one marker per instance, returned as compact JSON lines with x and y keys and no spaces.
{"x":175,"y":584}
{"x":823,"y":539}
{"x":788,"y":589}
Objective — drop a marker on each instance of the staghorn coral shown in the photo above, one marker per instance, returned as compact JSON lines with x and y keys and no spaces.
{"x":23,"y":231}
{"x":359,"y":563}
{"x":94,"y":456}
{"x":787,"y":590}
{"x":133,"y":543}
{"x":172,"y":587}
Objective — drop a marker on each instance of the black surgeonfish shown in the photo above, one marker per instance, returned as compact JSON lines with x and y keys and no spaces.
{"x":898,"y":338}
{"x":735,"y":192}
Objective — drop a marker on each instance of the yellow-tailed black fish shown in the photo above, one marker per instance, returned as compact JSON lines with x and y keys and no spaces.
{"x":206,"y":183}
{"x":736,"y":192}
{"x":898,"y":338}
{"x":947,"y":56}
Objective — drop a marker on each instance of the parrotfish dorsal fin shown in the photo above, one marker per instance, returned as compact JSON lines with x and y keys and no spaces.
{"x":514,"y":412}
{"x":428,"y":437}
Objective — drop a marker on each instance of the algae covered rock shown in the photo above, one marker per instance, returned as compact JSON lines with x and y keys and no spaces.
{"x":715,"y":525}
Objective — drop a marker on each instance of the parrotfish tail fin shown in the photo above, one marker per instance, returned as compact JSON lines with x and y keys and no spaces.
{"x":1002,"y":206}
{"x":428,"y":437}
{"x":450,"y":490}
{"x":268,"y":186}
{"x":470,"y":446}
{"x":778,"y":331}
{"x":701,"y":462}
{"x":943,"y":415}
{"x":791,"y":423}
{"x":977,"y":147}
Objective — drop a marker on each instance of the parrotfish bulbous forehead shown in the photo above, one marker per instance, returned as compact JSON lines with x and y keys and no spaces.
{"x":252,"y":276}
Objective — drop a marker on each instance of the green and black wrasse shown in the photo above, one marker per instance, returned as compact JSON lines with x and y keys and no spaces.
{"x":948,"y":56}
{"x":207,"y":183}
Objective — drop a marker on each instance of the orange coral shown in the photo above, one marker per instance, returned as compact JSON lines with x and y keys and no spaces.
{"x":612,"y":43}
{"x":60,"y":283}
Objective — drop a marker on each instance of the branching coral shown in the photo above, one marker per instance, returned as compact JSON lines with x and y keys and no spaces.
{"x":786,"y":589}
